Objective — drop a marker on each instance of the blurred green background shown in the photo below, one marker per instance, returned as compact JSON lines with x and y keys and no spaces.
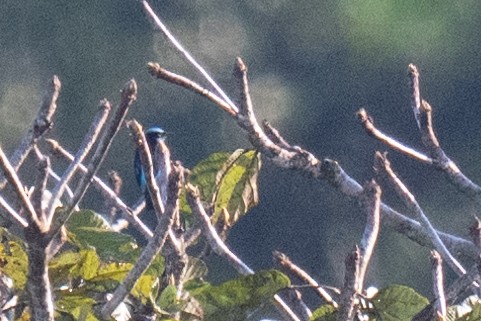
{"x":312,"y":65}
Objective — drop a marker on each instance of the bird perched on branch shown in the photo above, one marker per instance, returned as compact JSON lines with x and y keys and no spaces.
{"x":161,"y":162}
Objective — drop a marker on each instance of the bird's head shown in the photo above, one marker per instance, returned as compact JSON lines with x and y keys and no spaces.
{"x":155,"y":134}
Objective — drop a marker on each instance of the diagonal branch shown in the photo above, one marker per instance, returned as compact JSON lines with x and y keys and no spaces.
{"x":160,"y":73}
{"x":14,"y":180}
{"x":41,"y":124}
{"x":348,"y":300}
{"x":128,"y":96}
{"x":286,"y":263}
{"x":371,"y":130}
{"x":186,"y":54}
{"x":155,"y":245}
{"x":127,"y":213}
{"x":221,"y":249}
{"x":423,"y":113}
{"x":371,"y":201}
{"x":88,"y":142}
{"x":383,"y":164}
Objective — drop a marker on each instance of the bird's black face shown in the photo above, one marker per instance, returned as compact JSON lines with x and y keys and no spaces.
{"x":154,"y":135}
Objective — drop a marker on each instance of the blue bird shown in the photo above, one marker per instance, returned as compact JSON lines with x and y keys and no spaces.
{"x":155,"y":137}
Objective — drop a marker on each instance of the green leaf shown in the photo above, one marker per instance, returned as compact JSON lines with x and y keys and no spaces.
{"x":325,"y":312}
{"x":475,"y":314}
{"x":203,"y":175}
{"x":14,"y":263}
{"x":72,"y":265}
{"x":236,"y":185}
{"x":77,"y":306}
{"x":466,"y":310}
{"x":87,"y":229}
{"x":398,"y":302}
{"x":235,"y":299}
{"x":228,"y":182}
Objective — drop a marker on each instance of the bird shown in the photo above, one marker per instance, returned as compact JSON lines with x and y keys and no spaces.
{"x":156,"y":137}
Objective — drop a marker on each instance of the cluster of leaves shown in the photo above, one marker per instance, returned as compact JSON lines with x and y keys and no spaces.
{"x":402,"y":303}
{"x":96,"y":259}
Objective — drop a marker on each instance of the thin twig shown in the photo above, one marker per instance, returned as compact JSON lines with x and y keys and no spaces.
{"x":39,"y":189}
{"x":39,"y":156}
{"x":157,"y":71}
{"x":416,"y":93}
{"x":438,"y":285}
{"x":115,"y":183}
{"x":128,"y":96}
{"x":186,"y":54}
{"x":453,"y":292}
{"x":371,"y":200}
{"x":284,"y":261}
{"x":475,"y":232}
{"x":152,"y":248}
{"x":383,"y":164}
{"x":14,"y":180}
{"x":87,"y":143}
{"x":126,"y":212}
{"x":368,"y":124}
{"x":348,"y":299}
{"x":423,"y":113}
{"x":17,"y":218}
{"x":221,"y":249}
{"x":294,"y":299}
{"x":41,"y":124}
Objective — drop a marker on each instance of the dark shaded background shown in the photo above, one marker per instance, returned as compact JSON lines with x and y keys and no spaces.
{"x":312,"y":65}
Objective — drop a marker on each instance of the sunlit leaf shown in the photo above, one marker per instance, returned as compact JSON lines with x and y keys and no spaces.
{"x":228,"y":182}
{"x":203,"y":175}
{"x":87,"y":229}
{"x":398,"y":302}
{"x":14,"y":263}
{"x":468,"y":309}
{"x":236,"y":185}
{"x":79,"y":307}
{"x":325,"y":312}
{"x":234,"y":299}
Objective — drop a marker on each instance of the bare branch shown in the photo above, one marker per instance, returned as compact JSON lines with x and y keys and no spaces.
{"x":348,"y":307}
{"x":17,"y":218}
{"x":154,"y":246}
{"x":475,"y":232}
{"x":41,"y":124}
{"x":219,"y":247}
{"x":115,"y":183}
{"x":14,"y":180}
{"x":368,"y":124}
{"x":87,"y":143}
{"x":157,"y":71}
{"x":284,"y":261}
{"x":126,"y":212}
{"x":371,"y":200}
{"x":458,"y":287}
{"x":423,"y":113}
{"x":128,"y":96}
{"x":416,"y":94}
{"x":186,"y":54}
{"x":383,"y":164}
{"x":38,"y":191}
{"x":438,"y":285}
{"x":294,"y":299}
